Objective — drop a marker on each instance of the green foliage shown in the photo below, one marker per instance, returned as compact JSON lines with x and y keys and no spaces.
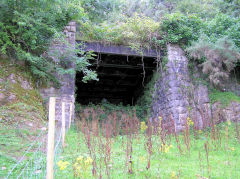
{"x":221,"y":58}
{"x":230,"y":7}
{"x":105,"y":108}
{"x":28,"y":27}
{"x":223,"y":97}
{"x":145,"y":101}
{"x":223,"y":160}
{"x":180,"y":29}
{"x":136,"y":31}
{"x":223,"y":25}
{"x":98,"y":10}
{"x":203,"y":8}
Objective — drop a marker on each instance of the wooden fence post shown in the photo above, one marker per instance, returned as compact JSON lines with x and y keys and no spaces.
{"x":63,"y":124}
{"x":51,"y":131}
{"x":70,"y":117}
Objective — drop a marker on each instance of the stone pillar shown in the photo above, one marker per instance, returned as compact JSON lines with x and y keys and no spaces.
{"x":175,"y":96}
{"x":67,"y":89}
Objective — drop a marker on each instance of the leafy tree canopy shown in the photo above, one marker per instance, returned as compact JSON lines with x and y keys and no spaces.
{"x":27,"y":27}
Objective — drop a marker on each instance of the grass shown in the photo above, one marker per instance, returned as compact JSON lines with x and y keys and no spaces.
{"x":223,"y":97}
{"x":20,"y":118}
{"x":169,"y":162}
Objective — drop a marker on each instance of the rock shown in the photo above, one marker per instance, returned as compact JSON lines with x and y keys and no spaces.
{"x":4,"y":168}
{"x":11,"y":78}
{"x":2,"y":96}
{"x":38,"y":171}
{"x":230,"y":112}
{"x":11,"y":97}
{"x":73,"y":28}
{"x":43,"y":128}
{"x":25,"y":85}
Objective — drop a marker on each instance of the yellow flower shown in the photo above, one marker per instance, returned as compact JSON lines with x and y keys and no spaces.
{"x":143,"y":126}
{"x":232,"y":148}
{"x":160,"y":118}
{"x":189,"y":122}
{"x":80,"y":158}
{"x":88,"y":161}
{"x":165,"y":148}
{"x":173,"y":175}
{"x":78,"y":168}
{"x":229,"y":123}
{"x":142,"y":159}
{"x":62,"y":165}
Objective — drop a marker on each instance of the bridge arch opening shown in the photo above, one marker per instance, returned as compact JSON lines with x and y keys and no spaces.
{"x":122,"y":79}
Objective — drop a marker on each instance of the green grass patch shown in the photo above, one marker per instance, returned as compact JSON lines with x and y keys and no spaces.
{"x":223,"y":97}
{"x":20,"y":117}
{"x":223,"y":156}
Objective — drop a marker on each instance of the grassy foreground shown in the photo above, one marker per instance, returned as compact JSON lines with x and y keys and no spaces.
{"x":199,"y":154}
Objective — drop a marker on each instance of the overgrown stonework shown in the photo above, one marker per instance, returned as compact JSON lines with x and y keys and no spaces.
{"x":176,"y":98}
{"x":66,"y":92}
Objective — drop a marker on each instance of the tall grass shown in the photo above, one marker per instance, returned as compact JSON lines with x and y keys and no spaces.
{"x":127,"y":148}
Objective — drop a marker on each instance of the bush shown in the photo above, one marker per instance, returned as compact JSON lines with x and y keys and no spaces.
{"x":223,"y":25}
{"x":220,"y":58}
{"x":28,"y":27}
{"x":180,"y":29}
{"x":136,"y":31}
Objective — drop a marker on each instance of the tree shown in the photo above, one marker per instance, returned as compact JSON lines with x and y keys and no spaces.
{"x":29,"y":26}
{"x":220,"y":58}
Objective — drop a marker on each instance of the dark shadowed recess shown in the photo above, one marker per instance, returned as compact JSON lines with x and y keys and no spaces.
{"x":121,"y":79}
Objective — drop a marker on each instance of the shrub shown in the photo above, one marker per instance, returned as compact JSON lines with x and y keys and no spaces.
{"x":220,"y":58}
{"x":180,"y":29}
{"x":28,"y":27}
{"x":136,"y":31}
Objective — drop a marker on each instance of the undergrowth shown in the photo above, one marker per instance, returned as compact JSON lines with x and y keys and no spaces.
{"x":22,"y":115}
{"x":136,"y":32}
{"x":225,"y":98}
{"x":95,"y":152}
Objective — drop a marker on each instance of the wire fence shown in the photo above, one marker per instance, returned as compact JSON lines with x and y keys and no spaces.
{"x":33,"y":162}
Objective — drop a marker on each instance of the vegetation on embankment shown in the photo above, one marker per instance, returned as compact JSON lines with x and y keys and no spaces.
{"x":207,"y":30}
{"x":138,"y":153}
{"x":225,"y":98}
{"x":22,"y":115}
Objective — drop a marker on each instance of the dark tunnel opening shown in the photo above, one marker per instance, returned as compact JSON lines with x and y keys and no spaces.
{"x":121,"y":79}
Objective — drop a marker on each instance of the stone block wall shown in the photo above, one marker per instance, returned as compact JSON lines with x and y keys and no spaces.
{"x":176,"y":98}
{"x":67,"y":89}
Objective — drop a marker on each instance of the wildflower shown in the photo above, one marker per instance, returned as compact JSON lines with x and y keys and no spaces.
{"x":232,"y":148}
{"x":165,"y":148}
{"x":173,"y":175}
{"x":229,"y":123}
{"x":143,"y":127}
{"x":189,"y":122}
{"x":78,"y":168}
{"x":88,"y":161}
{"x":80,"y":158}
{"x":160,"y":118}
{"x":142,"y":159}
{"x":62,"y":165}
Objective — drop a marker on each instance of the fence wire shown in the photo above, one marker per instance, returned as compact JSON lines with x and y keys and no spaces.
{"x":32,"y":165}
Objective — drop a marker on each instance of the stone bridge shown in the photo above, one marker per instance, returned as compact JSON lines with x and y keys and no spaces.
{"x":123,"y":73}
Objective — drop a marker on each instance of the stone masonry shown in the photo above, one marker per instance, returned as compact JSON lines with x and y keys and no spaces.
{"x":66,"y":92}
{"x":176,"y":98}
